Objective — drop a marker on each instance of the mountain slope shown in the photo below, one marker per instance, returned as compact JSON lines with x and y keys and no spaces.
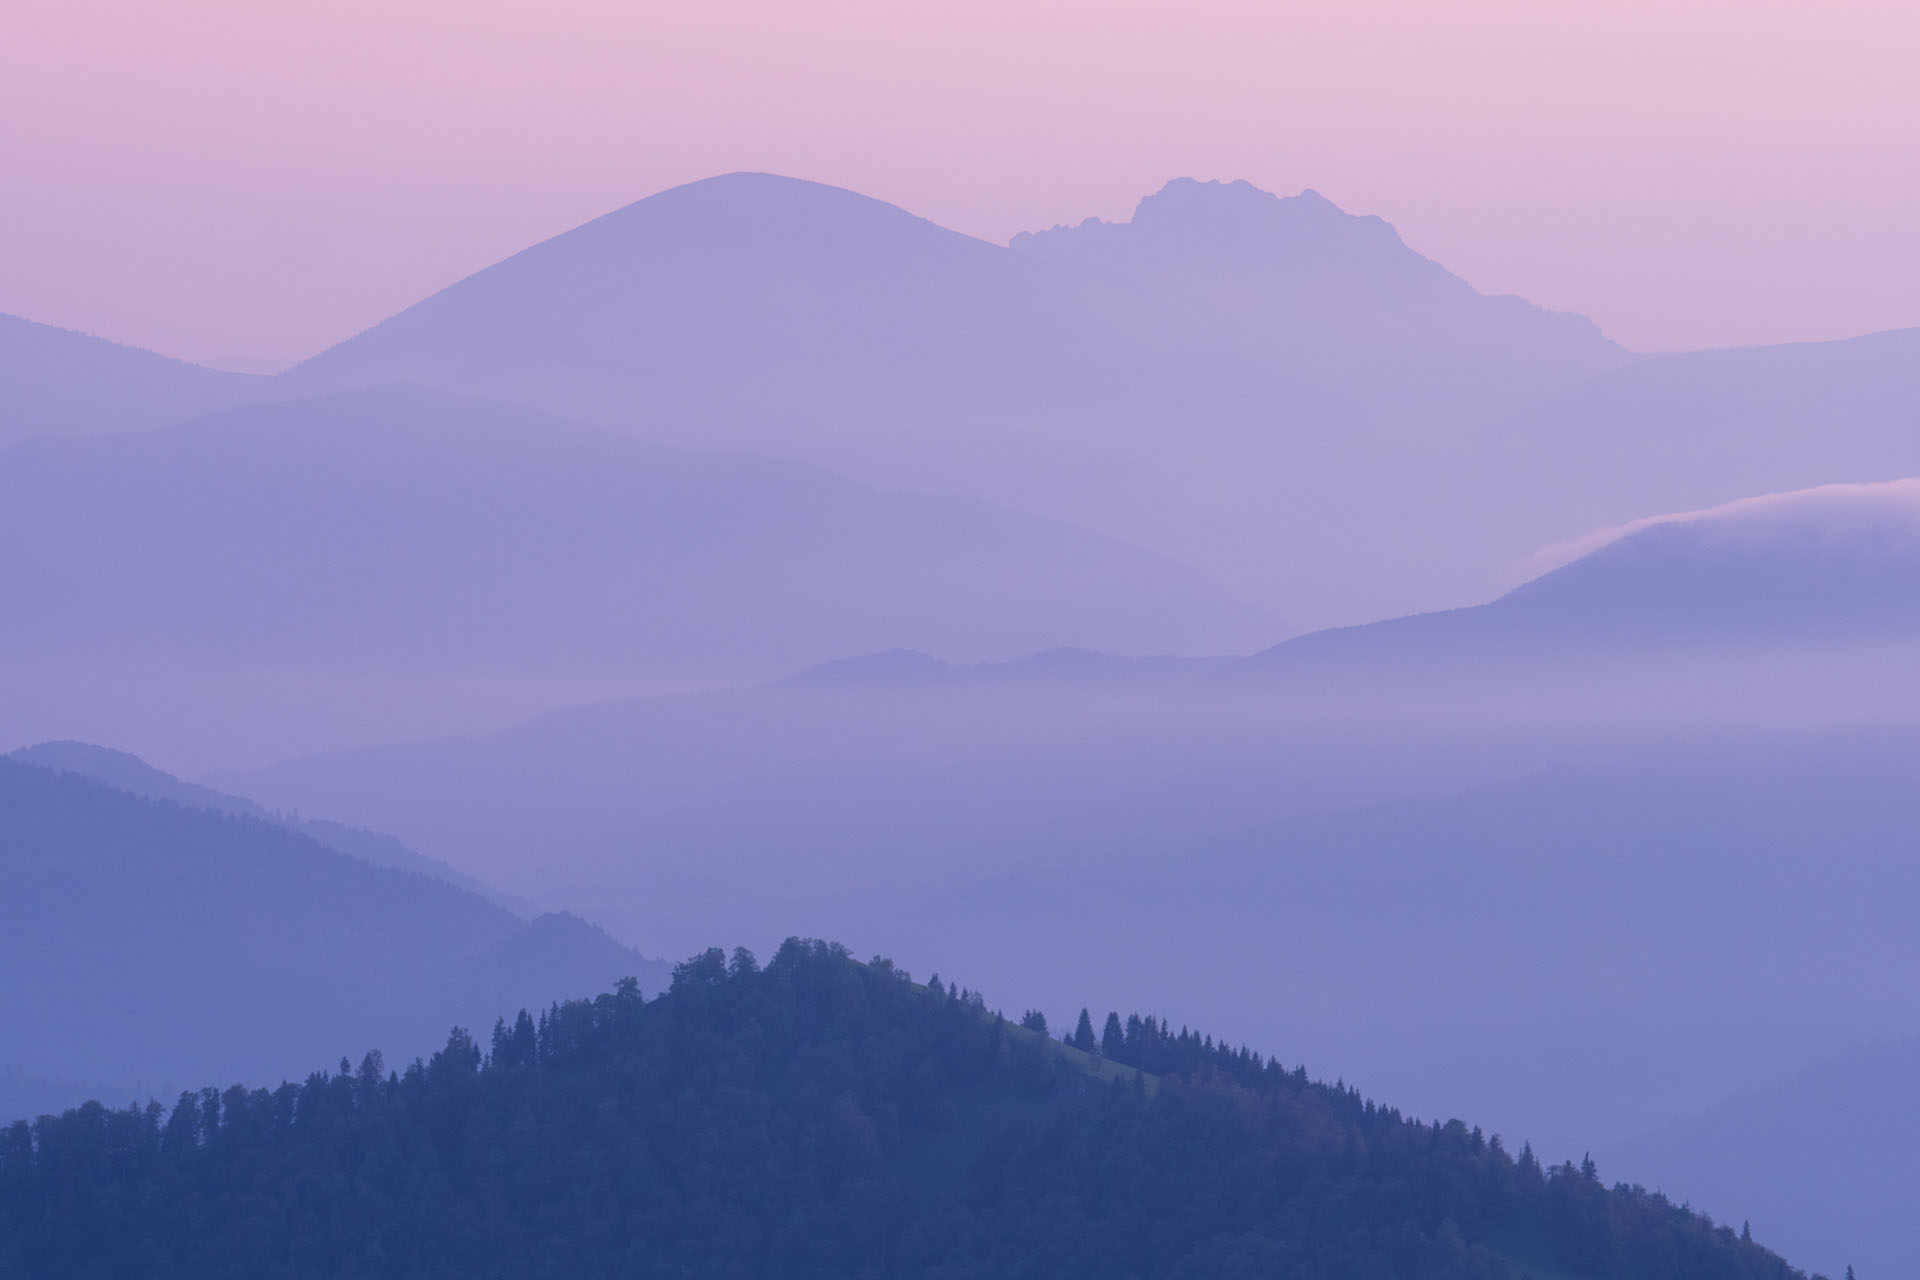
{"x":59,"y":383}
{"x":357,"y":550}
{"x":818,"y":1118}
{"x":741,"y":291}
{"x":1805,"y":605}
{"x":1840,"y":561}
{"x":167,"y":944}
{"x":127,"y":772}
{"x":1280,"y":392}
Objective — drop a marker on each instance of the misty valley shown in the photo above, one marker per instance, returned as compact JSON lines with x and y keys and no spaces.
{"x":1398,"y":784}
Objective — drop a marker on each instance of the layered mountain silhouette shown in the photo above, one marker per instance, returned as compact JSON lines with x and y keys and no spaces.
{"x":1791,"y":613}
{"x":128,"y":772}
{"x":169,"y":943}
{"x":398,"y":539}
{"x":1297,"y":279}
{"x":60,"y":383}
{"x":1810,"y":597}
{"x":752,"y":290}
{"x":1200,"y":380}
{"x":1574,"y":859}
{"x":1464,"y":787}
{"x":1278,"y":392}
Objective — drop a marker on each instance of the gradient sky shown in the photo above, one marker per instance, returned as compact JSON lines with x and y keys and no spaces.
{"x":255,"y":179}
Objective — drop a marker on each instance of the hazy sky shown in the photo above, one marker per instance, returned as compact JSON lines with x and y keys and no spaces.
{"x":255,"y":179}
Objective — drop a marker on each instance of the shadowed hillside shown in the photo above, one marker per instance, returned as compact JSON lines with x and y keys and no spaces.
{"x":128,"y":772}
{"x":167,"y":944}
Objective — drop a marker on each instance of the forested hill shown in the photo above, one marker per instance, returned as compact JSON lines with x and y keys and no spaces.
{"x":825,"y":1118}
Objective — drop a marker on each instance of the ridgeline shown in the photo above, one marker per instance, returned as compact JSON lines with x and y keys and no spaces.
{"x":817,"y":1118}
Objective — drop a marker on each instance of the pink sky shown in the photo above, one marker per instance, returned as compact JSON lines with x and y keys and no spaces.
{"x":255,"y":179}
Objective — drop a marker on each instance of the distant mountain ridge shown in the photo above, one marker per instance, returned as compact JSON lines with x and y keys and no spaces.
{"x":1317,"y":272}
{"x":60,"y":383}
{"x":1115,"y":384}
{"x":1275,"y":391}
{"x":168,"y":942}
{"x":1818,"y":573}
{"x":128,"y":772}
{"x":1839,"y":560}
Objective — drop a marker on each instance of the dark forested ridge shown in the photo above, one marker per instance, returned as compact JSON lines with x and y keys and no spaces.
{"x":819,"y":1117}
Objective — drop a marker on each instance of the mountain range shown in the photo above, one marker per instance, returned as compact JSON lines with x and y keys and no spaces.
{"x":1282,"y":395}
{"x":1276,"y":391}
{"x":1795,"y":612}
{"x":1104,"y":375}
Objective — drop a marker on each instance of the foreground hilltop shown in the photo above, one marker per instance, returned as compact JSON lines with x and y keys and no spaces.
{"x":817,"y":1118}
